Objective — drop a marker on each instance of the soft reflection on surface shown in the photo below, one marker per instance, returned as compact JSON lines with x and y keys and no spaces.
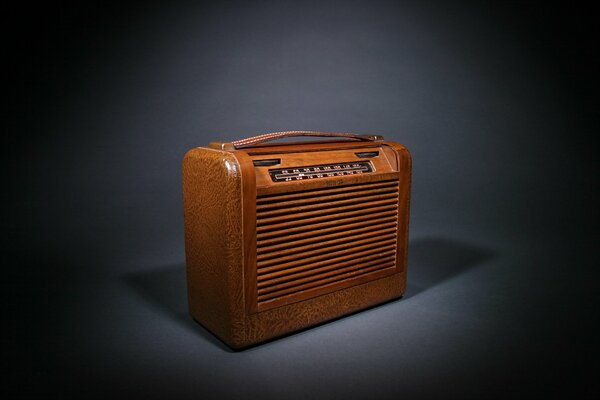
{"x":164,"y":289}
{"x":432,"y":260}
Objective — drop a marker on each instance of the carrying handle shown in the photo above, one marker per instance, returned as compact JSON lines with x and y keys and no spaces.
{"x":267,"y":137}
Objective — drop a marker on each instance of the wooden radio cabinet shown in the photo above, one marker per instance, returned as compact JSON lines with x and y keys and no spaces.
{"x":283,"y":236}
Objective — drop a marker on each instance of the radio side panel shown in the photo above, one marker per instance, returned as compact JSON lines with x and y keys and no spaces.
{"x":212,"y":190}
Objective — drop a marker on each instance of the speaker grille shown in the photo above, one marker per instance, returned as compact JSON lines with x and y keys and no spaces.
{"x":317,"y":241}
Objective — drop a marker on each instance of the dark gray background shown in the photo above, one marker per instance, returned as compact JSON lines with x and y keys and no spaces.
{"x":496,"y":102}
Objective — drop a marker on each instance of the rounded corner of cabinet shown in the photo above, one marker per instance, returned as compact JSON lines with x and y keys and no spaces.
{"x":400,"y":148}
{"x":190,"y":156}
{"x":211,"y":160}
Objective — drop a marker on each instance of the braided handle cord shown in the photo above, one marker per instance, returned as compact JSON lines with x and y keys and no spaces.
{"x":266,"y":137}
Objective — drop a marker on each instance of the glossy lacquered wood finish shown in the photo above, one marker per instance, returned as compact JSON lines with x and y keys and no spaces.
{"x":266,"y":258}
{"x":214,"y":242}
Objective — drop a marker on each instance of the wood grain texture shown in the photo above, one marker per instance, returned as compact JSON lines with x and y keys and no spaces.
{"x":214,"y":242}
{"x":267,"y":259}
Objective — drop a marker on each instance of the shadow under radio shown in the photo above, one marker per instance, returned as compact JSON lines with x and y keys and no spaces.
{"x":164,"y":290}
{"x":432,"y":260}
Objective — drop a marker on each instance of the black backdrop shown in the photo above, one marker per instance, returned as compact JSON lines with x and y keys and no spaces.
{"x":494,"y":100}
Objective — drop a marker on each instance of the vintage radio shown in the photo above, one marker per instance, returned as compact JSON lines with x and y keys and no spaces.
{"x":283,"y":236}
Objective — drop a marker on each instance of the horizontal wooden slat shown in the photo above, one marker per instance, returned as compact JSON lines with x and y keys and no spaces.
{"x":299,"y":284}
{"x":325,"y":240}
{"x":325,"y":288}
{"x":326,"y":251}
{"x":305,"y":276}
{"x":351,"y":203}
{"x":321,"y":282}
{"x":298,"y":217}
{"x":290,"y":267}
{"x":327,"y":217}
{"x":324,"y":237}
{"x":322,"y":191}
{"x":320,"y":199}
{"x":366,"y":222}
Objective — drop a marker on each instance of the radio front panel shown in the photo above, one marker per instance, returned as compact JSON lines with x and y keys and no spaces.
{"x":315,"y":241}
{"x":321,"y":227}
